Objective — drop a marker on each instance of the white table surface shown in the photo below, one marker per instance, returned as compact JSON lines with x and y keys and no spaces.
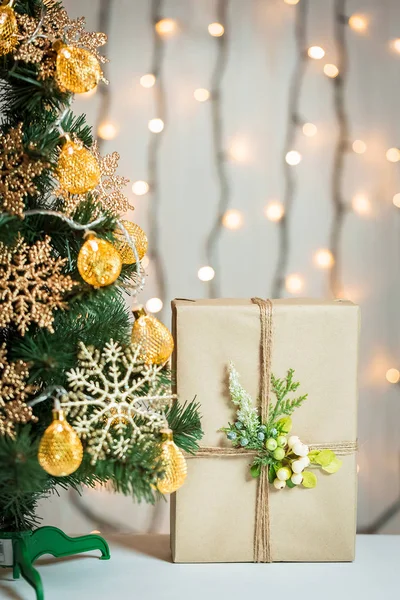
{"x":140,"y":568}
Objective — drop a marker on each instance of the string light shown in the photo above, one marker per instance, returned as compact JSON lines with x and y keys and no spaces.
{"x":294,"y":283}
{"x":232,"y":219}
{"x":160,"y":106}
{"x":166,"y":27}
{"x":291,"y":2}
{"x":323,"y":258}
{"x":339,"y":204}
{"x":239,"y":151}
{"x":358,"y":23}
{"x":201,"y":94}
{"x":293,"y":122}
{"x":156,"y":125}
{"x":107,"y":130}
{"x":396,"y":200}
{"x":293,"y":158}
{"x":393,"y":155}
{"x":309,"y":129}
{"x":316,"y":52}
{"x":217,"y":128}
{"x":361,"y":204}
{"x":154,"y":305}
{"x":274,"y":211}
{"x":359,"y":147}
{"x":393,"y":375}
{"x":331,"y":70}
{"x":206,"y":273}
{"x":140,"y":188}
{"x":396,"y":45}
{"x":216,"y":29}
{"x":148,"y":80}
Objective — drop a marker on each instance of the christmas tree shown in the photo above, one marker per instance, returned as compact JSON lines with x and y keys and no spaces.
{"x":67,"y":261}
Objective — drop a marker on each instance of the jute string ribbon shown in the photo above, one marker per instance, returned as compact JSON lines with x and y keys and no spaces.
{"x":262,"y":534}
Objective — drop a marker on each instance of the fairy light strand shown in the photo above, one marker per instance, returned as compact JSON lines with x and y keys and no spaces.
{"x":104,"y":22}
{"x":153,"y":151}
{"x":341,"y":149}
{"x":219,"y":153}
{"x":293,"y":123}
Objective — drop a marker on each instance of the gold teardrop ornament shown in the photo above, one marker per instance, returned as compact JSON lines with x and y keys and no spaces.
{"x":60,"y":450}
{"x":174,"y":463}
{"x":77,"y":70}
{"x":139,"y":239}
{"x":155,"y":340}
{"x":99,"y":263}
{"x":8,"y":30}
{"x":77,"y":169}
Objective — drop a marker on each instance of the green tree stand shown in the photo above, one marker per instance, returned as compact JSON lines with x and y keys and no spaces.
{"x":28,"y":546}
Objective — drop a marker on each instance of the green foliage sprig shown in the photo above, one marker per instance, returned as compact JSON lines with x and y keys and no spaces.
{"x":285,"y":458}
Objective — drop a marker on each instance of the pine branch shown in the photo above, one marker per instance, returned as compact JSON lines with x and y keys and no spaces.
{"x":281,"y":388}
{"x":184,"y":420}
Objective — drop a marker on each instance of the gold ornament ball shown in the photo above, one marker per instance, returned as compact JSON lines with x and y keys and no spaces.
{"x":155,"y":340}
{"x":99,"y":263}
{"x":174,"y":464}
{"x":139,"y":238}
{"x":60,"y":450}
{"x":8,"y":30}
{"x":77,"y":169}
{"x":78,"y":70}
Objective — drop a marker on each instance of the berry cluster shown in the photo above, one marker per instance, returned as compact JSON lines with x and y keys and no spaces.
{"x":297,"y":460}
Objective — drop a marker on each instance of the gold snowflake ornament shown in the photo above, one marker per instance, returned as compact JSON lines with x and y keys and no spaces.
{"x":115,"y":400}
{"x":17,"y":172}
{"x":109,"y":193}
{"x":38,"y":36}
{"x":31,"y":284}
{"x":13,"y":392}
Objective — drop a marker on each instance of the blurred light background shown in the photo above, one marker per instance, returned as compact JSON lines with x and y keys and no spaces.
{"x":261,"y":140}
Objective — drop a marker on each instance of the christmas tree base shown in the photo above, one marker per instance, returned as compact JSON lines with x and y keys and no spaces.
{"x":20,"y":550}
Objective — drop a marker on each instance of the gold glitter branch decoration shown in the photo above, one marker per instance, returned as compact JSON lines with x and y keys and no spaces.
{"x":31,"y":284}
{"x":38,"y":35}
{"x":17,"y":172}
{"x":13,"y":392}
{"x":108,"y":193}
{"x":115,"y":400}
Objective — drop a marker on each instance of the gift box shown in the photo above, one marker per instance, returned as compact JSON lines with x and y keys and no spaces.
{"x":222,"y":513}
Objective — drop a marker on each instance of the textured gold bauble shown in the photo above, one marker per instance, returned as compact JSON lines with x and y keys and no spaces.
{"x":77,"y":169}
{"x":174,"y":464}
{"x":155,"y":340}
{"x":99,"y":263}
{"x":8,"y":30}
{"x":139,"y":238}
{"x":78,"y":70}
{"x":60,"y":450}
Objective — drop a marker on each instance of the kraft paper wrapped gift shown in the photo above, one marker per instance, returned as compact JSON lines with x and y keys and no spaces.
{"x":213,"y":514}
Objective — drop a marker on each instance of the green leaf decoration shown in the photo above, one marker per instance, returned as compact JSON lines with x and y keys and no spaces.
{"x":333,"y":466}
{"x":255,"y":470}
{"x":284,"y":425}
{"x":309,"y":479}
{"x":290,"y":483}
{"x":313,"y":456}
{"x":271,"y":474}
{"x":325,"y":457}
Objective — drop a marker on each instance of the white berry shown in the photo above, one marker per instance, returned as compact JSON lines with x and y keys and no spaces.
{"x":305,"y":460}
{"x":293,"y":440}
{"x":279,"y":485}
{"x":283,"y":473}
{"x":300,"y":449}
{"x":297,"y":478}
{"x":298,"y":466}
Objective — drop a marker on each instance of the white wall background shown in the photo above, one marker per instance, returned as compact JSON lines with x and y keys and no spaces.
{"x":255,"y":90}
